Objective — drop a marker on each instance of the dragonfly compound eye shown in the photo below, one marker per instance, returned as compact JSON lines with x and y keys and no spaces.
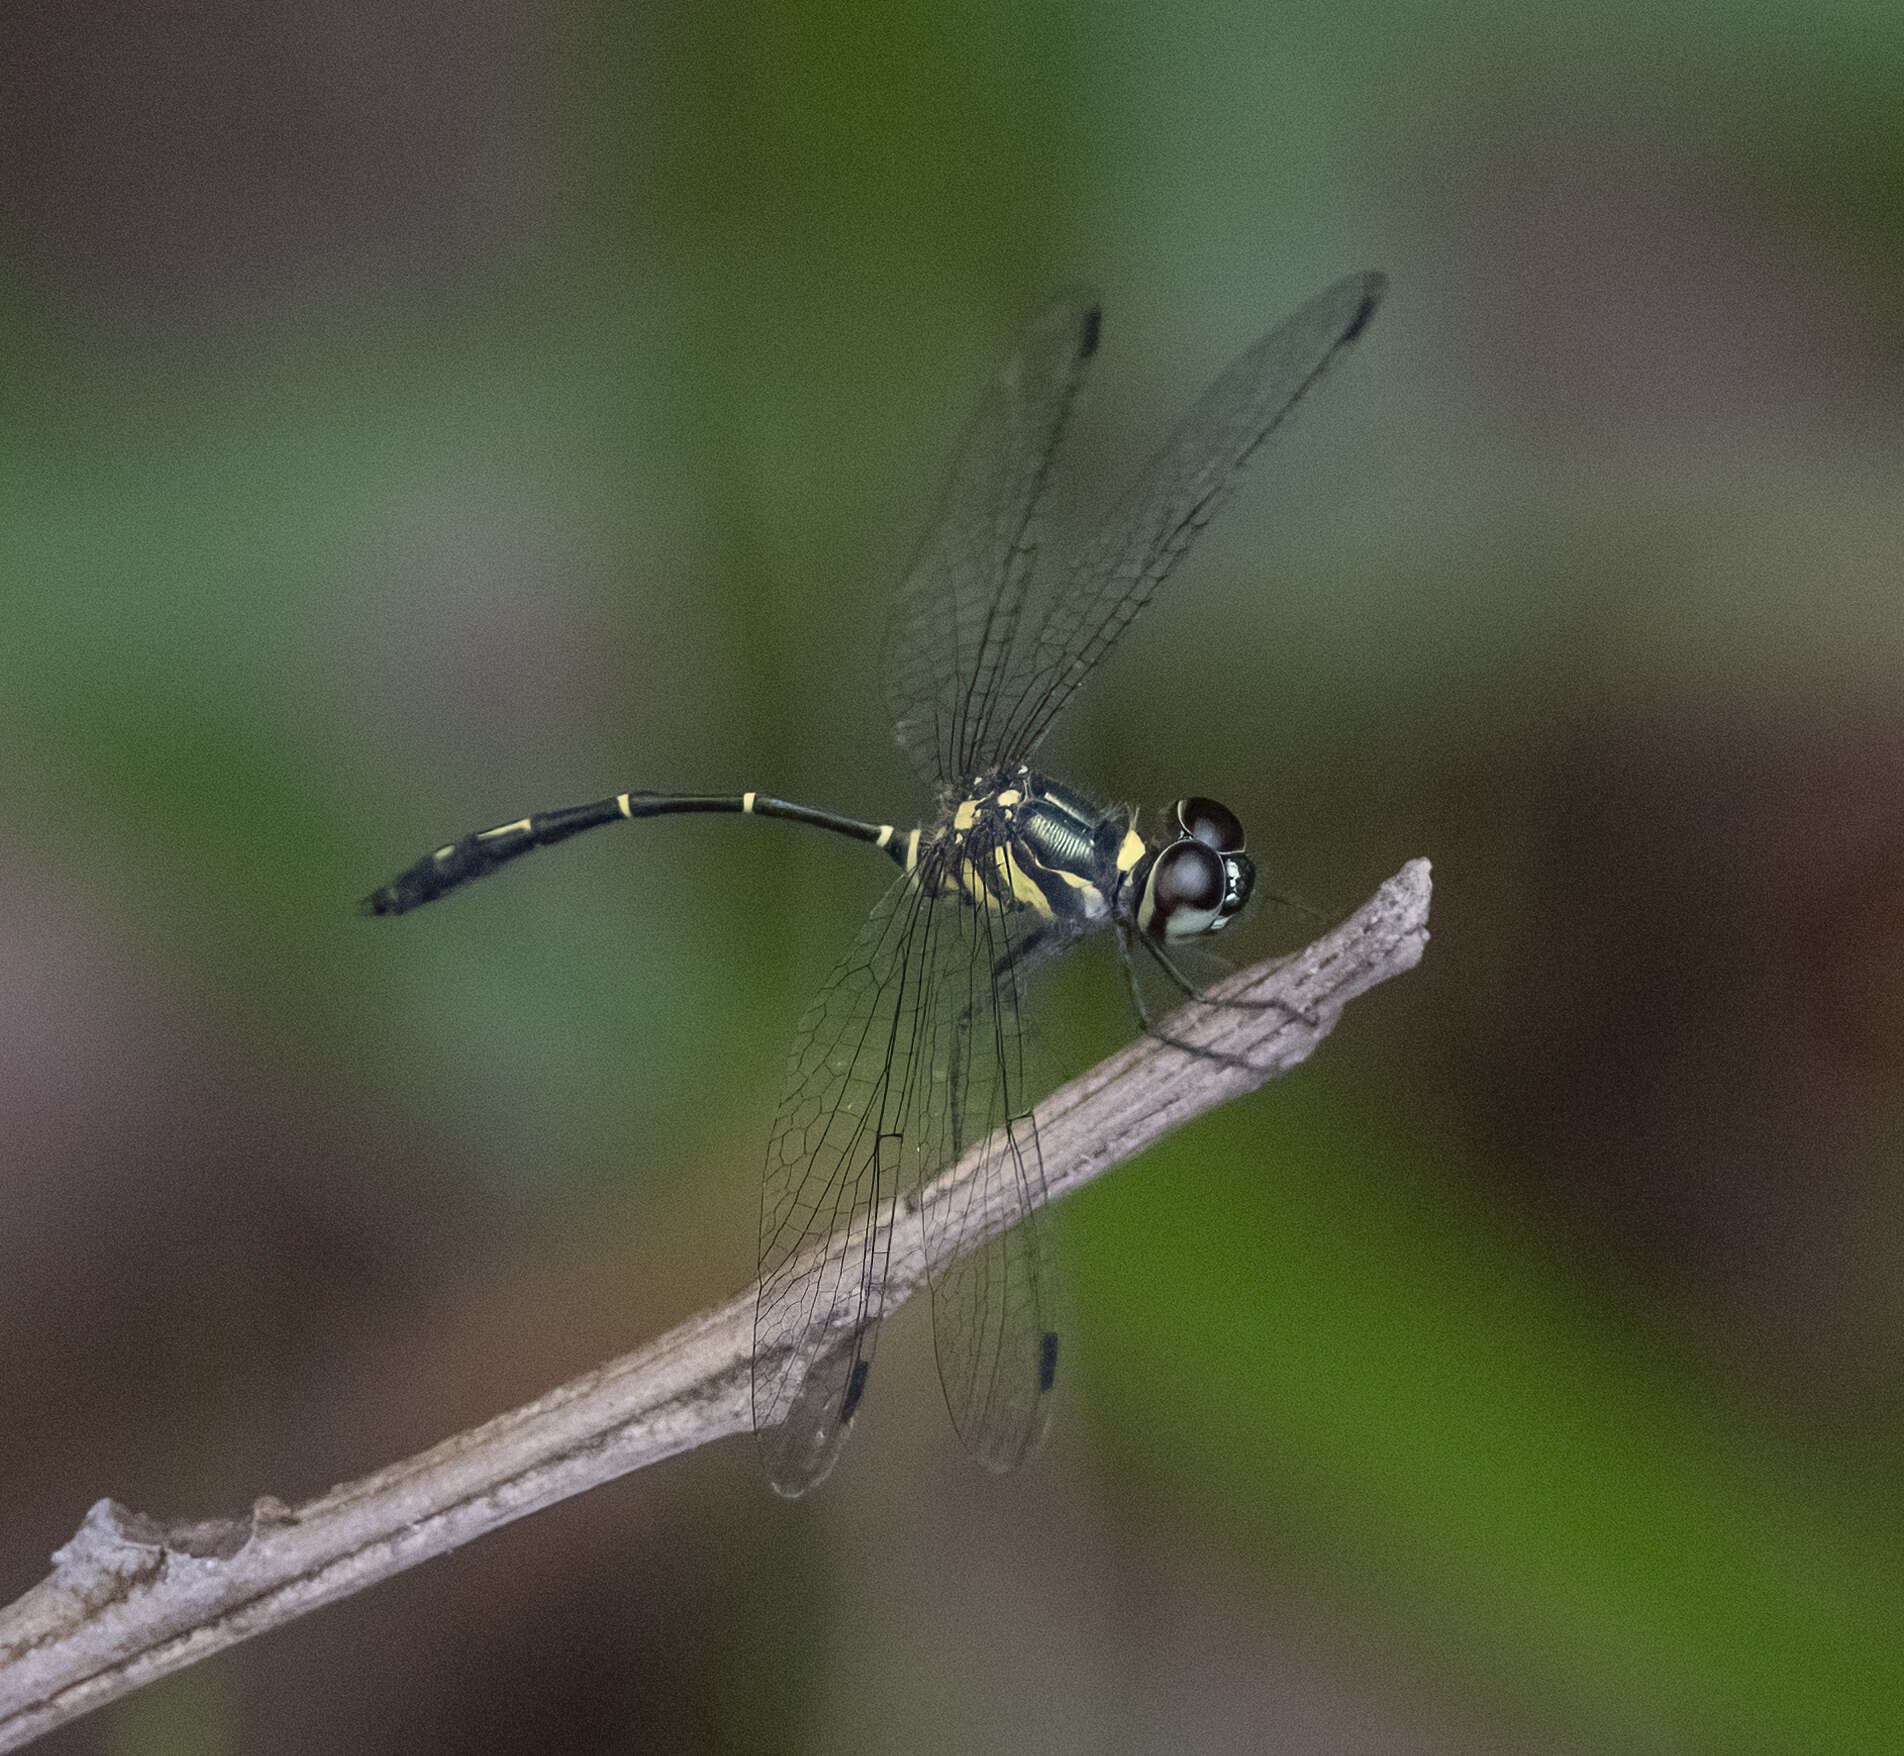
{"x":1184,"y":893}
{"x":1214,"y":825}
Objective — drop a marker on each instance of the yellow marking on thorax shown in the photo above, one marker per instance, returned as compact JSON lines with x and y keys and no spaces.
{"x":1010,"y":797}
{"x":1019,"y":884}
{"x":912,"y":850}
{"x":966,"y":815}
{"x":1095,"y":905}
{"x":1131,"y":851}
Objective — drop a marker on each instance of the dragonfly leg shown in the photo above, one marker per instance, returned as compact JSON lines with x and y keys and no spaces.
{"x":1190,"y":990}
{"x":1153,"y":1029}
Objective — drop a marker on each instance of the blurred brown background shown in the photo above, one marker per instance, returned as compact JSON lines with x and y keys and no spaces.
{"x":413,"y":415}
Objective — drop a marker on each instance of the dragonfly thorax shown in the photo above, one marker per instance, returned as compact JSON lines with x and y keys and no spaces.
{"x":1023,"y":841}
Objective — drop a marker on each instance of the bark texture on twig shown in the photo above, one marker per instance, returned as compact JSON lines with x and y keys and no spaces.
{"x":131,"y":1599}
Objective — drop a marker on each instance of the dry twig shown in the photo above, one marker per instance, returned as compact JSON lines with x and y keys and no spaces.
{"x":130,"y":1599}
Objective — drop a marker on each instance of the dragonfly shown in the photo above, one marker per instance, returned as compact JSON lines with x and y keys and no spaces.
{"x":913,"y":1052}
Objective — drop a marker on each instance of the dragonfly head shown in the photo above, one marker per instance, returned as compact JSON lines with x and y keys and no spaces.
{"x":1199,"y":880}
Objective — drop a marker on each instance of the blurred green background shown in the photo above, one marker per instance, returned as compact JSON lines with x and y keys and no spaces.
{"x":412,"y":415}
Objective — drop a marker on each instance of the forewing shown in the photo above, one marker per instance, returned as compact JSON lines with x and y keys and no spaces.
{"x":834,"y":1163}
{"x":1155,"y":524}
{"x":997,"y":1355}
{"x":957,"y":613}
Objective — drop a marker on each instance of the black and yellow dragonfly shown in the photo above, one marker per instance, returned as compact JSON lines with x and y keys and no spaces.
{"x":913,"y":1052}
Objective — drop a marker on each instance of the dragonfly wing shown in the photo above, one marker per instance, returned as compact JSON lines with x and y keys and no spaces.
{"x":997,"y":1355}
{"x":957,"y":614}
{"x":1158,"y":520}
{"x":834,"y":1165}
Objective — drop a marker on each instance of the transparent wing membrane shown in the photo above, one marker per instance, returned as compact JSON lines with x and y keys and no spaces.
{"x":956,"y":618}
{"x":1154,"y":526}
{"x":834,"y":1161}
{"x":911,"y":1055}
{"x":996,"y":1353}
